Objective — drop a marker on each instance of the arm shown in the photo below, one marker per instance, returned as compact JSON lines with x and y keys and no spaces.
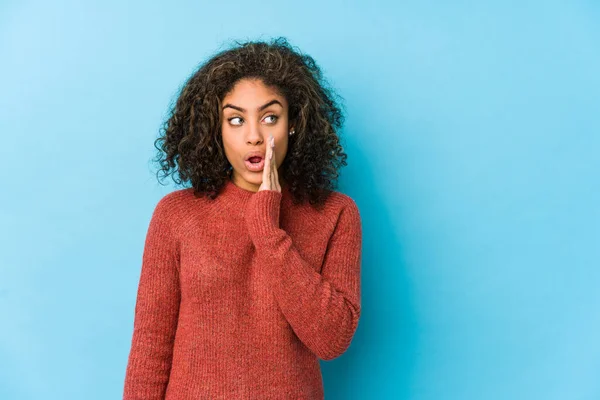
{"x":156,"y":312}
{"x":322,"y":308}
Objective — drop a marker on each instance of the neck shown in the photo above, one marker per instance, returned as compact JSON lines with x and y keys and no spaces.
{"x":239,"y":196}
{"x":241,"y":183}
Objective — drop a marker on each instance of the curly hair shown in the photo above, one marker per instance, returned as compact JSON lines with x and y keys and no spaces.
{"x":191,"y":144}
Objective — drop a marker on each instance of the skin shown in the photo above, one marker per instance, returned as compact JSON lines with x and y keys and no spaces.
{"x":254,"y":129}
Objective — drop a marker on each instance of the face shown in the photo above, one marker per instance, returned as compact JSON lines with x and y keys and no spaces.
{"x":251,"y":112}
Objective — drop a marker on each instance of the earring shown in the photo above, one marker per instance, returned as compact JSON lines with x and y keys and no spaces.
{"x":292,"y":132}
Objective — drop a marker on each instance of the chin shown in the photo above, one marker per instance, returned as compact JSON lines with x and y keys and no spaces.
{"x":254,"y":177}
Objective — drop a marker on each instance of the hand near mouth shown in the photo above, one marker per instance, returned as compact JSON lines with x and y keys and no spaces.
{"x":270,"y":180}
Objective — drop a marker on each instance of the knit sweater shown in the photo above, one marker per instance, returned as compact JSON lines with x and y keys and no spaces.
{"x":240,"y":296}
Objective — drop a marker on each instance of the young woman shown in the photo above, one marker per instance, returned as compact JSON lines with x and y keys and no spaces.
{"x":252,"y":274}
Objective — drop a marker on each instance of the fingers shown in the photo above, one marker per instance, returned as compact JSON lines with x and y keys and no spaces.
{"x":267,"y":168}
{"x":272,"y":164}
{"x":273,"y":173}
{"x":270,"y":178}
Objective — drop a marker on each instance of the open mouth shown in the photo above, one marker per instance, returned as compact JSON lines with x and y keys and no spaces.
{"x":255,"y":163}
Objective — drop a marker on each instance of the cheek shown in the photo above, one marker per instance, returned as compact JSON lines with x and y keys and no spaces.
{"x":229,"y":149}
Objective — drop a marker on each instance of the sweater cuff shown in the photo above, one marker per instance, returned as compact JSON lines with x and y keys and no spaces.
{"x":262,"y":215}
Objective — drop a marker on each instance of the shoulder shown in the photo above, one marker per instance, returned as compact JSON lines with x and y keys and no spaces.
{"x":170,"y":208}
{"x":172,"y":201}
{"x":345,"y":200}
{"x":345,"y":224}
{"x":342,"y":209}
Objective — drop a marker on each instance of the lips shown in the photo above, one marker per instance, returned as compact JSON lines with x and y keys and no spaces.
{"x":259,"y":161}
{"x":255,"y":167}
{"x":259,"y":154}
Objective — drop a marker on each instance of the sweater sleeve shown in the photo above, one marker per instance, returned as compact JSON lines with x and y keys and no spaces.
{"x":323,"y":308}
{"x":156,"y":312}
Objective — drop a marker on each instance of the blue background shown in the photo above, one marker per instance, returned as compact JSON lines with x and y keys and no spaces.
{"x":473,"y":135}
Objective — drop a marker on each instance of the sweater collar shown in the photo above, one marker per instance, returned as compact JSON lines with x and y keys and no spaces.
{"x":235,"y":193}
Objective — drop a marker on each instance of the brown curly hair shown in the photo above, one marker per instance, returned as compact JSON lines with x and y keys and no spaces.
{"x":190,"y":142}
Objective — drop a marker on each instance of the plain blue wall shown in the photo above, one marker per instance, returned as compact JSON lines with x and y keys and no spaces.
{"x":473,"y":135}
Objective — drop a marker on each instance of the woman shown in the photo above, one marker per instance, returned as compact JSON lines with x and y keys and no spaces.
{"x":252,"y":274}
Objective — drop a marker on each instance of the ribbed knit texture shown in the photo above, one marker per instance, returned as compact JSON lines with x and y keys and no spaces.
{"x":239,"y":297}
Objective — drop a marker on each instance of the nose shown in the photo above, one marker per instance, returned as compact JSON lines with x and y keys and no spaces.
{"x":254,"y":134}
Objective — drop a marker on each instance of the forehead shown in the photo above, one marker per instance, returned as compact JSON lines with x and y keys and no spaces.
{"x":252,"y":92}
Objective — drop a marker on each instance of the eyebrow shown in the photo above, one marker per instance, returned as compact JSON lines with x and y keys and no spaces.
{"x":259,"y":108}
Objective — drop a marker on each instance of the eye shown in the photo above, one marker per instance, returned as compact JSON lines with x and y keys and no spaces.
{"x":273,"y":116}
{"x":231,"y":119}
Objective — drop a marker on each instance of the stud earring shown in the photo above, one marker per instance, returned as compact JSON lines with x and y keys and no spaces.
{"x":292,"y":132}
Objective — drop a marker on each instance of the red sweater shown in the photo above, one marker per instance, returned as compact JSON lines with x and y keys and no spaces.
{"x":239,"y":297}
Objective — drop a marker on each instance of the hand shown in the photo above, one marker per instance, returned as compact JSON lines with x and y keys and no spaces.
{"x":270,"y":180}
